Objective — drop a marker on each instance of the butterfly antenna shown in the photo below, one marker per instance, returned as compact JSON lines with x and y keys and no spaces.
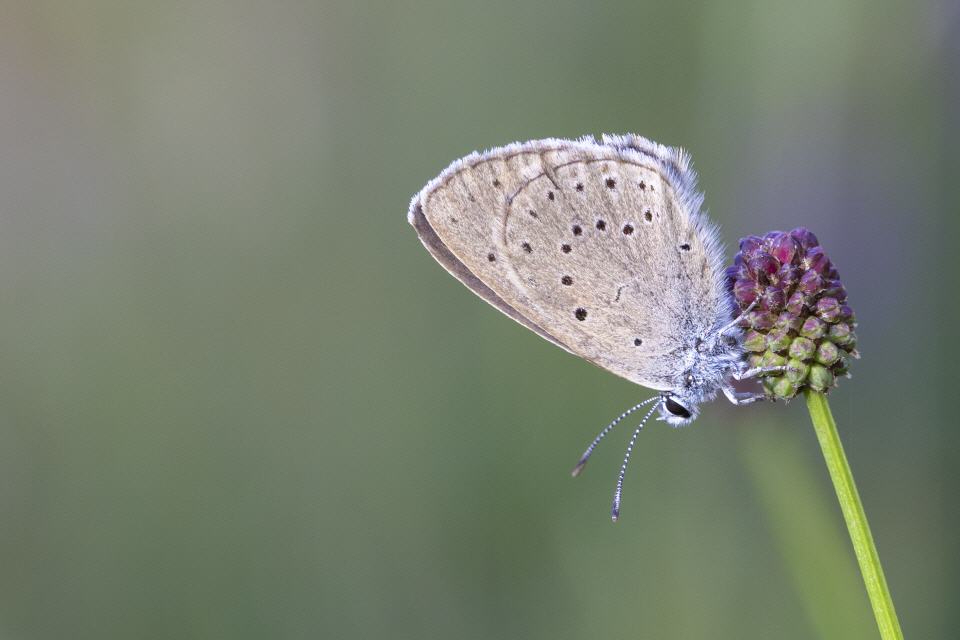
{"x":615,"y":510}
{"x":593,"y":445}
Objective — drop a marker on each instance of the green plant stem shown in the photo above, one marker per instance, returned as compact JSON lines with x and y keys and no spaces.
{"x":854,"y":515}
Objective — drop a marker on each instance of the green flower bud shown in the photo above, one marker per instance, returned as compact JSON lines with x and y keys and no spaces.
{"x":813,"y":328}
{"x":788,"y":321}
{"x":827,"y":353}
{"x":797,"y":370}
{"x":784,"y":388}
{"x":768,"y":384}
{"x":771,"y":359}
{"x":841,"y":334}
{"x":802,"y":348}
{"x":754,"y":341}
{"x":778,"y":340}
{"x":820,"y":378}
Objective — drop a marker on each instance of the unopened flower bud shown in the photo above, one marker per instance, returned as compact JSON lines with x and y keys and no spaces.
{"x":802,"y":348}
{"x":745,"y":291}
{"x":816,"y":260}
{"x":834,"y":289}
{"x":810,"y":283}
{"x":754,"y":341}
{"x":805,"y":237}
{"x":820,"y":378}
{"x":827,"y":353}
{"x":750,"y":246}
{"x":760,"y":319}
{"x":779,"y":339}
{"x":762,"y":267}
{"x":797,"y":370}
{"x":796,"y":303}
{"x":840,"y":334}
{"x":782,"y":247}
{"x":828,"y":309}
{"x":784,"y":388}
{"x":773,"y":298}
{"x":788,"y":276}
{"x":813,"y":328}
{"x":788,"y":321}
{"x":771,"y":359}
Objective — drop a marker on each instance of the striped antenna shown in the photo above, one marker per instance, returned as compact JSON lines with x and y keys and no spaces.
{"x":615,"y":511}
{"x":593,"y":445}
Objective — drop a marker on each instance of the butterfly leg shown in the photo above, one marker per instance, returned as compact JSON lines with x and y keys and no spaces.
{"x":739,"y":399}
{"x":757,"y":371}
{"x":730,"y":325}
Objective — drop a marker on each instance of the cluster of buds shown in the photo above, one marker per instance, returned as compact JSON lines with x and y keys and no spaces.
{"x":796,"y":312}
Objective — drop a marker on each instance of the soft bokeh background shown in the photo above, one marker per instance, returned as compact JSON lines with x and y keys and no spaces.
{"x":238,"y":399}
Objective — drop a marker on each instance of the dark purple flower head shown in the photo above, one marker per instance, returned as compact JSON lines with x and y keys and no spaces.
{"x":800,"y":317}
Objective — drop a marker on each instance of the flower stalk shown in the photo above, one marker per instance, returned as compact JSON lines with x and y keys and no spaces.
{"x":798,"y":324}
{"x":854,"y":515}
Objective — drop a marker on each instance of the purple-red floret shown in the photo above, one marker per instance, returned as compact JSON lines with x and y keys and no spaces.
{"x":798,"y":313}
{"x":760,"y":319}
{"x":783,"y":247}
{"x":762,"y":267}
{"x":816,"y":260}
{"x":828,"y":309}
{"x":745,"y":291}
{"x":810,"y":283}
{"x":813,"y":328}
{"x":788,"y":275}
{"x":750,"y":245}
{"x":796,"y":303}
{"x":835,"y":289}
{"x":805,"y":237}
{"x":788,"y":321}
{"x":773,"y":298}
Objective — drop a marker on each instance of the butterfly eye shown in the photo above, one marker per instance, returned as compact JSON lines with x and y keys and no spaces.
{"x":676,"y":408}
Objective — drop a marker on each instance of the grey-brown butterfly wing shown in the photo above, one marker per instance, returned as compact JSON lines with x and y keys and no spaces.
{"x":598,"y":247}
{"x":442,"y":254}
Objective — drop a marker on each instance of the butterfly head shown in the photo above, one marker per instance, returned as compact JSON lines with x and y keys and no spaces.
{"x":677,"y":410}
{"x":707,"y":361}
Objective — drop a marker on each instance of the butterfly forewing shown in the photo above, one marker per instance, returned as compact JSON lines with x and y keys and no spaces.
{"x":600,"y":248}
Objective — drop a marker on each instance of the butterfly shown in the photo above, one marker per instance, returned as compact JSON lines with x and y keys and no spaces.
{"x":600,"y":247}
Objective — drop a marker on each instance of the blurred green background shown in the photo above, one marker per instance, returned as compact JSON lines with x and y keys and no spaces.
{"x":239,"y":400}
